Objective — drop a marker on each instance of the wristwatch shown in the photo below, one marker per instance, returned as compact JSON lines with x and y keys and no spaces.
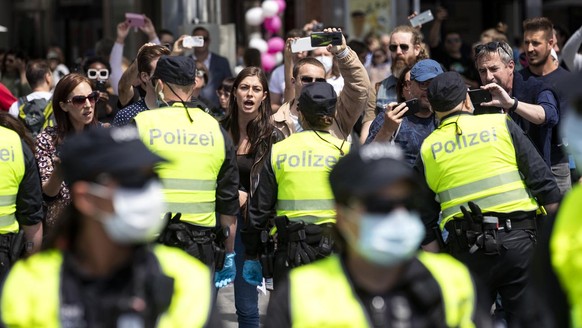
{"x":514,"y":106}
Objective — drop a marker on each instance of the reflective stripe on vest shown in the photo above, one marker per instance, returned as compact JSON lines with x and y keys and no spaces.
{"x":36,"y":282}
{"x":11,"y":172}
{"x":478,"y":165}
{"x":565,"y":248}
{"x":301,"y":164}
{"x":195,"y":153}
{"x":330,"y":300}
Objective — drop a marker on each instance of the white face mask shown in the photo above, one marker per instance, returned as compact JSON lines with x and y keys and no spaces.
{"x":572,"y":133}
{"x":326,"y":61}
{"x":388,"y":239}
{"x":137,"y":216}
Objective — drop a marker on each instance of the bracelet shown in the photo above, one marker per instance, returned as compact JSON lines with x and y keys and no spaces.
{"x":514,"y":106}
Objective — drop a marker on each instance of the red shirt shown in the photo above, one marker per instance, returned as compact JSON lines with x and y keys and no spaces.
{"x":6,"y":98}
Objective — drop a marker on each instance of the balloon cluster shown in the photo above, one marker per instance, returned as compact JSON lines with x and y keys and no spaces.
{"x":268,"y":15}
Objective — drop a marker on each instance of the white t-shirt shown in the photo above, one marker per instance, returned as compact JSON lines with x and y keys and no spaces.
{"x":14,"y":111}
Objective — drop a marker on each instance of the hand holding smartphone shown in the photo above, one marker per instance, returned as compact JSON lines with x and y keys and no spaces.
{"x":479,"y":96}
{"x":413,"y":107}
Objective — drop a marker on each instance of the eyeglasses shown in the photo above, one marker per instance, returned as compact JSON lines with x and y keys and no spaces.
{"x":80,"y":100}
{"x":491,"y":46}
{"x":309,"y":79}
{"x":101,"y":74}
{"x":403,"y":47}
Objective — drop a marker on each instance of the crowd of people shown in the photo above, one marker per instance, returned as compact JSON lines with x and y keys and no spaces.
{"x":406,"y":180}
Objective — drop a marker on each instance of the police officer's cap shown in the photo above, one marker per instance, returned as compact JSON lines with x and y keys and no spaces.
{"x":115,"y":151}
{"x":367,"y":170}
{"x":180,"y":70}
{"x":446,"y":91}
{"x":317,"y":99}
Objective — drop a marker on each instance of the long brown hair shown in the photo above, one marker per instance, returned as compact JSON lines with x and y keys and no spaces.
{"x":260,"y":128}
{"x":65,"y":86}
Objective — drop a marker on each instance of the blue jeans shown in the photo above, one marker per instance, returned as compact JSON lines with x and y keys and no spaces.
{"x":246,"y":296}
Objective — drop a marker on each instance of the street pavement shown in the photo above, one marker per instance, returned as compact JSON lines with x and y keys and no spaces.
{"x":225,"y":304}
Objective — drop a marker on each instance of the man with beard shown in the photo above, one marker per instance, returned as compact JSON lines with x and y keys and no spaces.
{"x":409,"y":131}
{"x":538,"y":41}
{"x":405,"y":50}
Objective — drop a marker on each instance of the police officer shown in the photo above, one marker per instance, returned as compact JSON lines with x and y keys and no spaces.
{"x":201,"y":176}
{"x":380,"y":278}
{"x":490,"y":181}
{"x":99,"y":270}
{"x":20,"y":196}
{"x":294,"y":183}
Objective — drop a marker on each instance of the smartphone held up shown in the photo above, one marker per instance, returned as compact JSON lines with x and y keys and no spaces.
{"x":193,"y":42}
{"x":422,"y":18}
{"x":135,"y":20}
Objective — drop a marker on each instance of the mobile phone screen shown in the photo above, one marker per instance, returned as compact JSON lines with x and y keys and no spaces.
{"x":323,"y":39}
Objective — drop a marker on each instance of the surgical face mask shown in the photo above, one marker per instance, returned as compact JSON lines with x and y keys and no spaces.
{"x":572,"y":133}
{"x":326,"y":61}
{"x":387,"y":239}
{"x":137,"y":216}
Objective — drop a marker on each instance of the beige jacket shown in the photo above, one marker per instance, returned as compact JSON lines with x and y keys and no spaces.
{"x":351,"y":101}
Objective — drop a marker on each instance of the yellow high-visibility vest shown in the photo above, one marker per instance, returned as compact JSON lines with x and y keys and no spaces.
{"x":330,"y":300}
{"x":11,"y":174}
{"x":195,"y":153}
{"x":31,"y":295}
{"x":301,"y":164}
{"x":472,"y":158}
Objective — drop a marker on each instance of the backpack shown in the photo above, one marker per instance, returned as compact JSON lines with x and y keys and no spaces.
{"x":36,"y":114}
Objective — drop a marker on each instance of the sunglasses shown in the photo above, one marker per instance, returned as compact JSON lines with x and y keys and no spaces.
{"x":200,"y":73}
{"x":309,"y":79}
{"x":98,"y":74}
{"x":375,"y":204}
{"x":80,"y":100}
{"x":491,"y":46}
{"x":403,"y":47}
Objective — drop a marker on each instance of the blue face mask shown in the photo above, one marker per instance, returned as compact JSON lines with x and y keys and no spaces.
{"x":572,"y":133}
{"x":388,"y":239}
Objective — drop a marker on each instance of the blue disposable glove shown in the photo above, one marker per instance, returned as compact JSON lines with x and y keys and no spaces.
{"x":225,"y":276}
{"x":253,"y":272}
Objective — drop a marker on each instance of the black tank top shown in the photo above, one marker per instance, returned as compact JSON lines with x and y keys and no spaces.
{"x":244,"y":162}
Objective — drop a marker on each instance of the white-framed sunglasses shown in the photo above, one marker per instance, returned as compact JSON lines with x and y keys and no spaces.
{"x":98,"y":74}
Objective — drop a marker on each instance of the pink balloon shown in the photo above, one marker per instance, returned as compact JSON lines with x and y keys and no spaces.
{"x":272,"y":24}
{"x":275,"y":44}
{"x":282,"y":5}
{"x":268,"y":61}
